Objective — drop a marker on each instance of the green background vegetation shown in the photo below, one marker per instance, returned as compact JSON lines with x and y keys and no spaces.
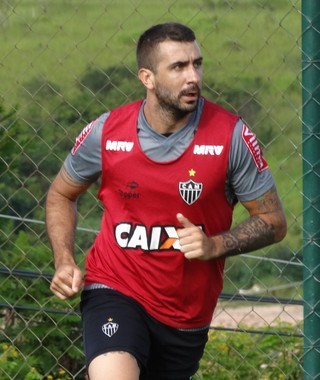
{"x":64,"y":62}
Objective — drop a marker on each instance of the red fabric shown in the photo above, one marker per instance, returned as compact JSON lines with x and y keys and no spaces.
{"x":136,"y":251}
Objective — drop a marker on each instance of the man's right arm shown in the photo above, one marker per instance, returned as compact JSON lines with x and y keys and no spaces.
{"x":61,"y":220}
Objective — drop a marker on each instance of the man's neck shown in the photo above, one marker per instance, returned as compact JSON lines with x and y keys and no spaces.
{"x":161,"y":121}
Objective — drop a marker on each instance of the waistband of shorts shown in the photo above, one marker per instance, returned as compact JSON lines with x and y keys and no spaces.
{"x":97,"y":285}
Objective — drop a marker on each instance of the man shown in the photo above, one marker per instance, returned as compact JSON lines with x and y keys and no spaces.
{"x":172,"y":168}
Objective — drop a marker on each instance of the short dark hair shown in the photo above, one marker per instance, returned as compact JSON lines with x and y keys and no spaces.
{"x":150,"y":39}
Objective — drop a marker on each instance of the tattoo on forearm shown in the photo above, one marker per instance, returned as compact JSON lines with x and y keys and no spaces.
{"x":269,"y":201}
{"x":249,"y":236}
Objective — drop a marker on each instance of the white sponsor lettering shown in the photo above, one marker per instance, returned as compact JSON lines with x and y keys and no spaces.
{"x":123,"y":146}
{"x":213,"y":150}
{"x":136,"y":236}
{"x":252,"y":143}
{"x":83,"y":135}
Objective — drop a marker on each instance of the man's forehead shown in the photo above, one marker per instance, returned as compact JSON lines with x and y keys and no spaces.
{"x":179,"y":51}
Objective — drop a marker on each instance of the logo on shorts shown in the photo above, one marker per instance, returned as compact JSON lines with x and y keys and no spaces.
{"x":110,"y":328}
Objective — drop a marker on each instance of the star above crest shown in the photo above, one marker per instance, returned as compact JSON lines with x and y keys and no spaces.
{"x":192,"y":172}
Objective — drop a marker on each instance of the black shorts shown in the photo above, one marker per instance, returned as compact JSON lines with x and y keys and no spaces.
{"x":114,"y":322}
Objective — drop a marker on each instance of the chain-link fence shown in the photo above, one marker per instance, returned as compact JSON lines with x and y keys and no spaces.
{"x":63,"y":63}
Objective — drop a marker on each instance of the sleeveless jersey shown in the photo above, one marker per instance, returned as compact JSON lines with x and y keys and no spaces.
{"x":137,"y":250}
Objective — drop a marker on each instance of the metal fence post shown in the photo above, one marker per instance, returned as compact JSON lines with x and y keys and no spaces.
{"x":311,"y":184}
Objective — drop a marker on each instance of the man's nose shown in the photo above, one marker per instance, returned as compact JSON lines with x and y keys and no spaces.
{"x":194,"y":74}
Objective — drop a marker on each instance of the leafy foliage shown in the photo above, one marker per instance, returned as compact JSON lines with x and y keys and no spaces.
{"x":228,"y":355}
{"x":239,"y":356}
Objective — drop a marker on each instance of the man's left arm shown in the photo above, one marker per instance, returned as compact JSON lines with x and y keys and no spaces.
{"x":265,"y":225}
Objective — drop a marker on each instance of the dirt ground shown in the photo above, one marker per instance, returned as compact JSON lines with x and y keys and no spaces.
{"x":256,"y":316}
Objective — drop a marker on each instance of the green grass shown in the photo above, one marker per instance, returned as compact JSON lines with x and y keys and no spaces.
{"x":58,"y":39}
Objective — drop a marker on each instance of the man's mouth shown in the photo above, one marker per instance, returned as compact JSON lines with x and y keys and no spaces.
{"x":191,"y":94}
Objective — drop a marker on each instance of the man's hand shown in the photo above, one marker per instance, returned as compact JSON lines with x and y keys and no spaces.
{"x":67,"y":281}
{"x":265,"y":225}
{"x":195,"y":244}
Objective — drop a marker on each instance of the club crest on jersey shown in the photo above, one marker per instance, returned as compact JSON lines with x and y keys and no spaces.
{"x":110,"y":328}
{"x":190,"y":191}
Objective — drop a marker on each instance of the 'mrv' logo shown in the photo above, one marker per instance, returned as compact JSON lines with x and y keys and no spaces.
{"x":213,"y":150}
{"x":123,"y":146}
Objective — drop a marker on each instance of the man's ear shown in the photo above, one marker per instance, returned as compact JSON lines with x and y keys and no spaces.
{"x":146,"y":77}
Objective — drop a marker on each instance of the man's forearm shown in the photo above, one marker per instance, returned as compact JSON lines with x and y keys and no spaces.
{"x":266,"y":225}
{"x":250,"y":235}
{"x":61,"y":220}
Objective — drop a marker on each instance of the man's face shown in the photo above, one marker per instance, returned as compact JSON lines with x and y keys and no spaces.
{"x":178,"y":76}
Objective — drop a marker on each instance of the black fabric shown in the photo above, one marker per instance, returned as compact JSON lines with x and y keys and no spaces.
{"x":114,"y":322}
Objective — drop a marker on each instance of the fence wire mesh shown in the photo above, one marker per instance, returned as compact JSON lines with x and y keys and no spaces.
{"x":64,"y":62}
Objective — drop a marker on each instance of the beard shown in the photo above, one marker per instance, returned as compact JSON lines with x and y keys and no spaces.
{"x":173,"y":104}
